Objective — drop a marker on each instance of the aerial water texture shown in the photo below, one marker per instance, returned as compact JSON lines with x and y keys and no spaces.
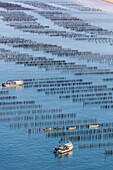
{"x":63,"y":52}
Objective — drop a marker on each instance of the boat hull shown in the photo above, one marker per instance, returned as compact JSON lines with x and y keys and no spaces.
{"x":64,"y":151}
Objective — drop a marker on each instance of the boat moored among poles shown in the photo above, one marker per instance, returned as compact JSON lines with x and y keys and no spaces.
{"x":63,"y":149}
{"x":11,"y":83}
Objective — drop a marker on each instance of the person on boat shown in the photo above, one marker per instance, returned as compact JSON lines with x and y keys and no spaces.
{"x":65,"y":147}
{"x":60,"y":147}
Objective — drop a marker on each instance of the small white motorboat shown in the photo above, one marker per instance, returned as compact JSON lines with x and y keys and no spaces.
{"x":71,"y":127}
{"x":63,"y":149}
{"x":11,"y":83}
{"x":93,"y":126}
{"x":47,"y":129}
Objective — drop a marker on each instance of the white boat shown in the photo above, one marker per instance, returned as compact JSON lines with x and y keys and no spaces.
{"x":63,"y":149}
{"x":71,"y":127}
{"x":11,"y":83}
{"x":93,"y":126}
{"x":47,"y":129}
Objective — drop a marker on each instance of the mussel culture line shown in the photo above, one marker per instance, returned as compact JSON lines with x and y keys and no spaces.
{"x":64,"y":59}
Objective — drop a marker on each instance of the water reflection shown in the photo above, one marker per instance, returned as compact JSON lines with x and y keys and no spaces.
{"x":63,"y":156}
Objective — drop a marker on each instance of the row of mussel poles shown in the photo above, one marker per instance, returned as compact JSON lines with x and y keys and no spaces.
{"x":53,"y":121}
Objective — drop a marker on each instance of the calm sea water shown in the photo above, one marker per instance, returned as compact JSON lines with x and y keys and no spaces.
{"x":21,"y":150}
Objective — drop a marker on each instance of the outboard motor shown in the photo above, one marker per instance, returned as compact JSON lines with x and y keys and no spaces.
{"x":3,"y":84}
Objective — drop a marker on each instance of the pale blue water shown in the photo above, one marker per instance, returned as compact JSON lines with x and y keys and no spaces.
{"x":20,"y":150}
